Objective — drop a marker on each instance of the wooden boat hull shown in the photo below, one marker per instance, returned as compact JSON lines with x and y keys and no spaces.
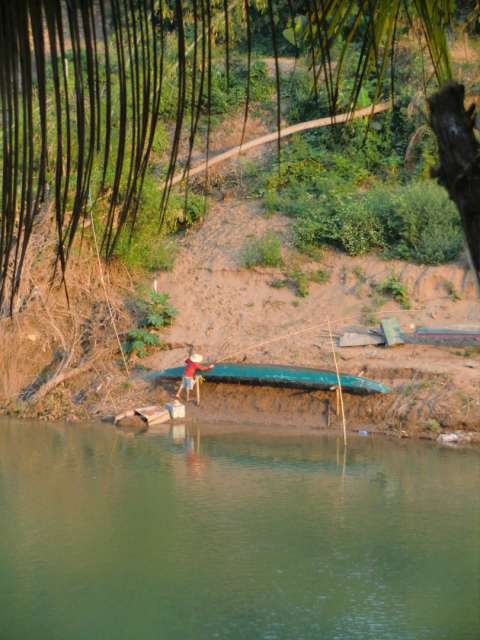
{"x":281,"y":376}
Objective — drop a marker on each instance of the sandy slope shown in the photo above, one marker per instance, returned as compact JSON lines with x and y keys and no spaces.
{"x":227,"y":310}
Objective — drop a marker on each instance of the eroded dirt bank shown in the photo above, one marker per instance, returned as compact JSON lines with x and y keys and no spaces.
{"x":228,"y":311}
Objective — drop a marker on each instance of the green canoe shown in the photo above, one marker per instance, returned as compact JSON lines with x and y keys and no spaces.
{"x":276,"y":375}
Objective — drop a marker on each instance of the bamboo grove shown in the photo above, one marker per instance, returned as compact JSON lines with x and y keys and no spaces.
{"x":72,"y":72}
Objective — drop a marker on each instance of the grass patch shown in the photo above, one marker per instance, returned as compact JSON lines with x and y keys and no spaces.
{"x":337,"y":196}
{"x":265,"y":251}
{"x":451,"y":291}
{"x":300,"y":281}
{"x":433,"y":425}
{"x":320,"y":276}
{"x":369,"y":311}
{"x":278,"y":283}
{"x":394,"y":287}
{"x":467,"y":353}
{"x":360,"y":274}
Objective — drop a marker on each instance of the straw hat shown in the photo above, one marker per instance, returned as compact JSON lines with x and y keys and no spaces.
{"x":196,"y":357}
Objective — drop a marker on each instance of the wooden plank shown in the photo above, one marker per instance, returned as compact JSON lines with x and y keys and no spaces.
{"x":453,"y":331}
{"x":360,"y":339}
{"x":153,"y":414}
{"x":125,"y":414}
{"x":391,"y":329}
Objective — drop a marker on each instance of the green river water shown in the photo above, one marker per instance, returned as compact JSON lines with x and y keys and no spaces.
{"x":235,"y":534}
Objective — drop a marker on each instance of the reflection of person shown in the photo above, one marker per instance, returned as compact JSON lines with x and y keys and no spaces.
{"x":189,"y":380}
{"x":196,"y":462}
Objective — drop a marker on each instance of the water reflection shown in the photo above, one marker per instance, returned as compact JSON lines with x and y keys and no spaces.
{"x":196,"y":533}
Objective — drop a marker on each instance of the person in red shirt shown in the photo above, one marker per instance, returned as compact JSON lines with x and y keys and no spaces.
{"x":189,"y":380}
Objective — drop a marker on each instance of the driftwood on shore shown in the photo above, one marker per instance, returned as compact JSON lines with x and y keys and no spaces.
{"x":34,"y":392}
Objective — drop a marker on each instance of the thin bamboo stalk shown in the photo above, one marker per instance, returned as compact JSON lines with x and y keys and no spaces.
{"x":339,"y":386}
{"x":107,"y":298}
{"x":290,"y":334}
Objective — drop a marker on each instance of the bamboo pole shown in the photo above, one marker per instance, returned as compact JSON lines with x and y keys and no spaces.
{"x":290,"y":334}
{"x":339,"y":387}
{"x":107,"y":298}
{"x":287,"y":131}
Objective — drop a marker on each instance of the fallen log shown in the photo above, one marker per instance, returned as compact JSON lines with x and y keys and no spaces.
{"x":275,"y":135}
{"x":63,"y":376}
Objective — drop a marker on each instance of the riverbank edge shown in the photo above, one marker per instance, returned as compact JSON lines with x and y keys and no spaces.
{"x":432,"y":407}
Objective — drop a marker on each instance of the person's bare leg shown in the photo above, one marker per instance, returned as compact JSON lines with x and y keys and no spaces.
{"x":197,"y":383}
{"x":177,"y":395}
{"x":188,"y":395}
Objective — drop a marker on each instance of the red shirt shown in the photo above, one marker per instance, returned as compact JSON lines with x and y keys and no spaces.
{"x":191,"y":368}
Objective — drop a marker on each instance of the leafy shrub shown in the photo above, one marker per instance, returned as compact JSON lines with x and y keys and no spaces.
{"x":419,"y":222}
{"x":145,"y":246}
{"x":300,"y":282}
{"x":320,"y":276}
{"x":394,"y":287}
{"x":226,"y":100}
{"x":344,"y":222}
{"x":347,"y":191}
{"x":360,"y":274}
{"x":278,"y":283}
{"x":158,"y":312}
{"x":138,"y":341}
{"x":370,"y":310}
{"x":265,"y":251}
{"x":452,"y":293}
{"x":155,"y":313}
{"x":433,"y":425}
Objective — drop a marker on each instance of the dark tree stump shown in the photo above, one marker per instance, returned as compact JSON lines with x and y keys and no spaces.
{"x":459,"y":151}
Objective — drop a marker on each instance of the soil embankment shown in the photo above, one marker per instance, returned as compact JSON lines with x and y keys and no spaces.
{"x":227,"y":311}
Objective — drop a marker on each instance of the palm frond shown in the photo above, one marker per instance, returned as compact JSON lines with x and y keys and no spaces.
{"x":82,"y":84}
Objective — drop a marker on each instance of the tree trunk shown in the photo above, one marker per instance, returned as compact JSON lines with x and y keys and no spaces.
{"x":459,"y":169}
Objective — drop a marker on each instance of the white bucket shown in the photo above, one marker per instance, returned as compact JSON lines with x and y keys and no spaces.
{"x":176,"y":409}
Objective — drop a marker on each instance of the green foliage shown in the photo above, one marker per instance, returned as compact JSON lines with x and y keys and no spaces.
{"x":320,"y":276}
{"x":346,"y":200}
{"x":146,"y":245}
{"x":418,"y":221}
{"x":452,"y":293}
{"x":355,"y":191}
{"x":278,"y":283}
{"x":300,"y":281}
{"x":433,"y":425}
{"x":138,"y":341}
{"x":394,"y":287}
{"x":369,"y":311}
{"x":360,"y":274}
{"x":225,"y":100}
{"x":158,"y":312}
{"x":265,"y":251}
{"x":155,"y":312}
